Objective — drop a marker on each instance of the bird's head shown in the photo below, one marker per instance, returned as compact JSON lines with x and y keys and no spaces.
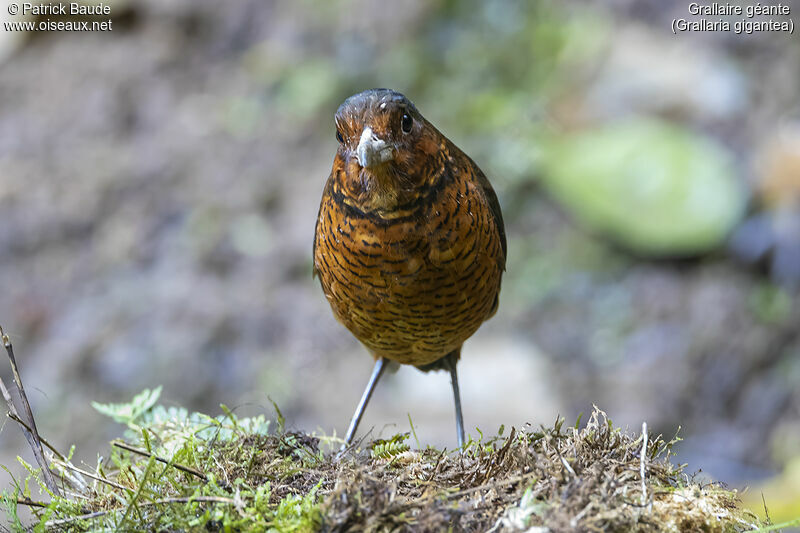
{"x":388,"y":153}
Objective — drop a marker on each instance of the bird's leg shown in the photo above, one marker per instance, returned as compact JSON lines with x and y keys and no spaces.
{"x":377,"y":371}
{"x":451,"y":362}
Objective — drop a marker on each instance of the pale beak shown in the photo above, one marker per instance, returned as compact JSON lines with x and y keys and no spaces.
{"x":371,"y":150}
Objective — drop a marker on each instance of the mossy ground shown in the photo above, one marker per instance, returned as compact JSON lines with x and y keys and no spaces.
{"x":178,"y":471}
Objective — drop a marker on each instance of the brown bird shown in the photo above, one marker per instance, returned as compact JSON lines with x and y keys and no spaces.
{"x":409,"y":245}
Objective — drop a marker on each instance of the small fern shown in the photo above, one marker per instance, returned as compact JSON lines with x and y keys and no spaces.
{"x":388,"y":449}
{"x":130,"y":413}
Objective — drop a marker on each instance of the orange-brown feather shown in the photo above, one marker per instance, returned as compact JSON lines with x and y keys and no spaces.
{"x":410,"y":256}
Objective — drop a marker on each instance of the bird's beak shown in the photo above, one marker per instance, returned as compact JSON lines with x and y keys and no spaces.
{"x":371,"y":150}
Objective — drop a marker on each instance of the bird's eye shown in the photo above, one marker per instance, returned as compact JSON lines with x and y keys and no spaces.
{"x":339,"y":136}
{"x":407,"y":123}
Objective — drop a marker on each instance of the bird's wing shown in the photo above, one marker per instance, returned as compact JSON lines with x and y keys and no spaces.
{"x":325,"y":194}
{"x":489,"y":194}
{"x":494,"y":207}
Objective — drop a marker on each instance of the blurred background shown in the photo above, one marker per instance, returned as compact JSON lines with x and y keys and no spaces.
{"x":159,"y":185}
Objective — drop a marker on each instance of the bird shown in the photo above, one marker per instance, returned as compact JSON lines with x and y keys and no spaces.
{"x":409,"y":245}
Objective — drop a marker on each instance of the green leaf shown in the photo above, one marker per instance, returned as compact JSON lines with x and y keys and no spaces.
{"x":281,"y":419}
{"x":127,"y":413}
{"x":386,"y":449}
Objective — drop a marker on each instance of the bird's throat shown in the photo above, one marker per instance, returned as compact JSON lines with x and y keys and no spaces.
{"x":385,"y":191}
{"x":380,"y":191}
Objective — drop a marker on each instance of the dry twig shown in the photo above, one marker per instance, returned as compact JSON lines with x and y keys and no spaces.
{"x":29,"y":430}
{"x":145,"y":453}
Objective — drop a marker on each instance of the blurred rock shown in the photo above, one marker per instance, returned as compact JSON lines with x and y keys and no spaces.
{"x":778,"y":168}
{"x":652,"y":187}
{"x":772,"y":235}
{"x":641,"y":71}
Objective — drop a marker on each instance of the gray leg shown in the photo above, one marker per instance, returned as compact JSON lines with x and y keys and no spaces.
{"x":377,"y":371}
{"x":451,"y":364}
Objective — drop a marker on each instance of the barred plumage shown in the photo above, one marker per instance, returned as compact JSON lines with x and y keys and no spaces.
{"x":409,"y":245}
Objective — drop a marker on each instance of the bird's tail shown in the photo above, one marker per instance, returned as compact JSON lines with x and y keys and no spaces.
{"x":443,"y":363}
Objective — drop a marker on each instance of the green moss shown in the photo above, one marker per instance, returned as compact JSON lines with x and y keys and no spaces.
{"x":180,"y":471}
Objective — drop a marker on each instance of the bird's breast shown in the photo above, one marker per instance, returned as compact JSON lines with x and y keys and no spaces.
{"x":414,"y":288}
